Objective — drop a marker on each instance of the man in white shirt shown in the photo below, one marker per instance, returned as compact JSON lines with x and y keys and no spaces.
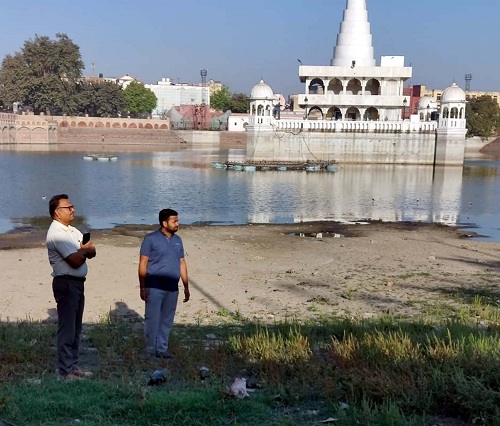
{"x":68,"y":258}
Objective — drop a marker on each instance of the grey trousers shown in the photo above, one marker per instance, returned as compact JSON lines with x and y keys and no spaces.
{"x":70,"y":301}
{"x":159,"y":319}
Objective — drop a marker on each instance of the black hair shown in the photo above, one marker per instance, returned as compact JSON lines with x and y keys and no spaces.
{"x":54,"y":203}
{"x":165,"y":214}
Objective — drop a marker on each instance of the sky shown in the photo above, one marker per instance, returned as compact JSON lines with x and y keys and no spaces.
{"x":241,"y":42}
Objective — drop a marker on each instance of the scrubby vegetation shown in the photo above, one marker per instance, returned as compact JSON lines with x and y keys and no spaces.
{"x":384,"y":371}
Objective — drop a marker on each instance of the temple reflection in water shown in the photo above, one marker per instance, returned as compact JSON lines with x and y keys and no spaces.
{"x":371,"y":192}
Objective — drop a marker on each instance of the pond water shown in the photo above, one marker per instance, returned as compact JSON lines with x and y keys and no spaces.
{"x":133,"y":189}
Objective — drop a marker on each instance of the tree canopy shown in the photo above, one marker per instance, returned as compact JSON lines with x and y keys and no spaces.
{"x":43,"y":75}
{"x":104,"y":99}
{"x":223,"y":100}
{"x":239,"y":102}
{"x":138,"y":99}
{"x":219,"y":100}
{"x":483,"y":117}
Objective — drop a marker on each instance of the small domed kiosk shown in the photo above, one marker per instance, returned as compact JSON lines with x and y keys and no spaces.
{"x":427,"y":108}
{"x":261,"y":104}
{"x":450,"y":144}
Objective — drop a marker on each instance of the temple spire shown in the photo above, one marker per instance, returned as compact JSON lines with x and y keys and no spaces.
{"x":354,"y":41}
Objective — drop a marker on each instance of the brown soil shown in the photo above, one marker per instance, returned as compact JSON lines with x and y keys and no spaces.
{"x":269,"y":272}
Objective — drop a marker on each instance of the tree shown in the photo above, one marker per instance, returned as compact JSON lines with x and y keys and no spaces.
{"x":103,"y":99}
{"x":483,"y":117}
{"x":43,"y":75}
{"x":220,"y":100}
{"x":239,"y":102}
{"x":138,"y":99}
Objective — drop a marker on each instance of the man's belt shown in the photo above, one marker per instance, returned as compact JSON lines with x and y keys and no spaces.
{"x":72,"y":278}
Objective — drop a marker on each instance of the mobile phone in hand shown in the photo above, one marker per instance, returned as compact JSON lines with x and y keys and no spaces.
{"x":86,"y":238}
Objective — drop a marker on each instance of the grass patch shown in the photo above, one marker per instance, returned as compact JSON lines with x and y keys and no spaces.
{"x":380,"y":371}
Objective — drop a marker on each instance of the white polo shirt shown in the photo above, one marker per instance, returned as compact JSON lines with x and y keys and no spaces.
{"x":62,"y":241}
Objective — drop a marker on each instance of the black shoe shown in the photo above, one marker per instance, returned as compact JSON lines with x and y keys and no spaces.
{"x":164,"y":355}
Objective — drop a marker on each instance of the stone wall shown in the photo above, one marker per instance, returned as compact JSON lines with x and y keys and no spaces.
{"x":348,"y":147}
{"x":27,"y":129}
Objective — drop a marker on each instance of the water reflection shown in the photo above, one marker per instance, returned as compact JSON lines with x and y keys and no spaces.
{"x":133,"y":189}
{"x":376,"y":192}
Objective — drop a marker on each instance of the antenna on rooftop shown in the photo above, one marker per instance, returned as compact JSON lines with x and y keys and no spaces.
{"x":92,"y":66}
{"x":468,"y":78}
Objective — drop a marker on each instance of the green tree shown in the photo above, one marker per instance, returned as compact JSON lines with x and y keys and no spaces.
{"x":43,"y":75}
{"x":220,"y":100}
{"x":104,"y":99}
{"x":239,"y":102}
{"x":483,"y":117}
{"x":138,"y":99}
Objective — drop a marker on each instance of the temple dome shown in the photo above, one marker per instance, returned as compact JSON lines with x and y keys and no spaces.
{"x":453,"y":94}
{"x":262,"y":91}
{"x":427,"y":101}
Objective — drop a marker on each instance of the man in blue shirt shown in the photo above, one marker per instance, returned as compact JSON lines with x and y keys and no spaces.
{"x":161,"y":265}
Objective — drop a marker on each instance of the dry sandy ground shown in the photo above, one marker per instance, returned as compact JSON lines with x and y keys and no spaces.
{"x":268,"y":272}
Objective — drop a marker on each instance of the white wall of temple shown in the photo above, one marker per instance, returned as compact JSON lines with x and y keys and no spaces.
{"x":391,"y":147}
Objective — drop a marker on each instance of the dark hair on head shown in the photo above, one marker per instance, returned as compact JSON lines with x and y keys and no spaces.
{"x":165,"y":214}
{"x":54,"y":203}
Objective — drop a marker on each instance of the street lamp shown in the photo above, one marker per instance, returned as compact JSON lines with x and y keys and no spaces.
{"x":305,"y":107}
{"x":405,"y":101}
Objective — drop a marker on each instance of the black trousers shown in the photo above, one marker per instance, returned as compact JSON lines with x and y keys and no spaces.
{"x":70,"y":301}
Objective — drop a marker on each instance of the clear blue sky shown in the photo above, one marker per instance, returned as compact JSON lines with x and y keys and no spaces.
{"x":240,"y":42}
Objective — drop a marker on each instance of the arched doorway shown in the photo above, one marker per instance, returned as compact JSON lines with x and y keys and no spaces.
{"x":372,"y":114}
{"x":334,"y":113}
{"x":352,"y":114}
{"x":315,"y":113}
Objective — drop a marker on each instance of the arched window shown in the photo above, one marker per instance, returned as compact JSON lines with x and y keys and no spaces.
{"x":335,"y":86}
{"x":353,"y":87}
{"x":372,"y":87}
{"x":446,"y":112}
{"x":316,"y":87}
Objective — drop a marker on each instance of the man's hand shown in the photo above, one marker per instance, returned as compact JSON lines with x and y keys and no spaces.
{"x":89,"y":250}
{"x":144,"y":294}
{"x":186,"y":294}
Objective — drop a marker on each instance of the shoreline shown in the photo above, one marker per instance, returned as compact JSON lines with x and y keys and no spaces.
{"x":29,"y":236}
{"x":269,"y":272}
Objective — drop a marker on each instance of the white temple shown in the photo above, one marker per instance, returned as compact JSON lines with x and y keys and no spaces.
{"x":354,"y":109}
{"x":354,"y":87}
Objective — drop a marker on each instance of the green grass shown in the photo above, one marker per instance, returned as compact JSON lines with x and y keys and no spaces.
{"x":383,"y":371}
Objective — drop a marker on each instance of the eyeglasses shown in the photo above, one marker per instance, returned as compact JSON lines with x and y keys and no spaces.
{"x":67,"y":207}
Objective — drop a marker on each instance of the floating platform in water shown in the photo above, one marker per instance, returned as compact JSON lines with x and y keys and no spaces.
{"x":100,"y":157}
{"x":252,"y":166}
